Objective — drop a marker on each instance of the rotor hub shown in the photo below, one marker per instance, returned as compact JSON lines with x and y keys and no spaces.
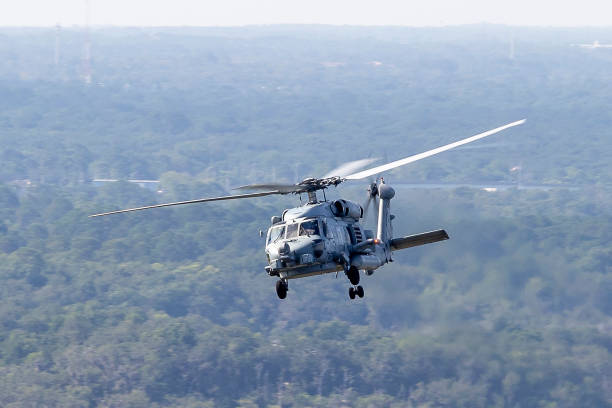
{"x":312,"y":184}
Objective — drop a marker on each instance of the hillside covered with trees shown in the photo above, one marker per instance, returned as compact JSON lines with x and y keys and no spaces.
{"x":172,"y":307}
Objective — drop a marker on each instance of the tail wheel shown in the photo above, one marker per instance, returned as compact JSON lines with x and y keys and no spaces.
{"x":281,"y":289}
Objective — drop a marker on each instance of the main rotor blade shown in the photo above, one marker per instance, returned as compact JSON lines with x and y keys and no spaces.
{"x":379,"y":169}
{"x":348,"y":168}
{"x":280,"y":188}
{"x":201,"y":200}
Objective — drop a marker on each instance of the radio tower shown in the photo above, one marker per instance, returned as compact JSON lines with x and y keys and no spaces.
{"x":87,"y":48}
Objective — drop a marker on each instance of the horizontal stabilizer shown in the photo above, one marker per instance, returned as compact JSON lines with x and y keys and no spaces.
{"x":418,"y":239}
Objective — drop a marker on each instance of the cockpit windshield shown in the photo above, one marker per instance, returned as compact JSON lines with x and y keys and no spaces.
{"x":309,"y":228}
{"x":306,"y":228}
{"x":292,"y":231}
{"x":276,"y":234}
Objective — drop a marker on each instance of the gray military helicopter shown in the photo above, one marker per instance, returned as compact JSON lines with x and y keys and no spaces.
{"x":325,"y":236}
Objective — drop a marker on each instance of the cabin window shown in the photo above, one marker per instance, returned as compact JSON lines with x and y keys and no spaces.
{"x":276,"y":234}
{"x":292,"y":230}
{"x":309,"y":228}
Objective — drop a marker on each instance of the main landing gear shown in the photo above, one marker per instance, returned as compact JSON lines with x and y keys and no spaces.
{"x":353,"y":275}
{"x":281,"y":288}
{"x":356,"y":291}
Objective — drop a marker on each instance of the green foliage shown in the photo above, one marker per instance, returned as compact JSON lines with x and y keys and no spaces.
{"x":173,"y":307}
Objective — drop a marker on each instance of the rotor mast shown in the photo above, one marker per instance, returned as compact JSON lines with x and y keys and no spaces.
{"x":312,"y":197}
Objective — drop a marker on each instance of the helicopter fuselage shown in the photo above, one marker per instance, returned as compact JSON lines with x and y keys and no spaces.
{"x":319,"y":238}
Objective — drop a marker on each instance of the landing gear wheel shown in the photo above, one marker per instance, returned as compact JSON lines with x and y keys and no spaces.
{"x":352,"y":293}
{"x":281,"y":289}
{"x":353,"y":275}
{"x":359,"y":291}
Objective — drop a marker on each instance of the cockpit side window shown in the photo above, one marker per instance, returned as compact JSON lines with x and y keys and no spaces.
{"x":276,"y":234}
{"x":309,"y":228}
{"x":292,"y":230}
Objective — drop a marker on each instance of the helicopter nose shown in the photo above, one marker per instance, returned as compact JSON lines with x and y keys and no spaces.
{"x":283,"y":250}
{"x":300,"y":247}
{"x":305,"y":252}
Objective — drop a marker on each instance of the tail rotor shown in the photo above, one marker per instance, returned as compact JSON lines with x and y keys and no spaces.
{"x":372,"y":194}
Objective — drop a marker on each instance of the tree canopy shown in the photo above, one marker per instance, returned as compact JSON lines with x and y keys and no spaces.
{"x":172,"y":307}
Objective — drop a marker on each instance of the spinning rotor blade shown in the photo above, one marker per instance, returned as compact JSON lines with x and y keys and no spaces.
{"x":201,"y":200}
{"x":312,"y":184}
{"x":279,"y":188}
{"x":366,"y":210}
{"x":348,"y":168}
{"x":372,"y":193}
{"x":379,"y":169}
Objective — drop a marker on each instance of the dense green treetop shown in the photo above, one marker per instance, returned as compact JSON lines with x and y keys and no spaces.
{"x":172,"y":307}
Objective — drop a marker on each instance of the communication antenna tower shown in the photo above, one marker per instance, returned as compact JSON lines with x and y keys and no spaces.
{"x":87,"y":47}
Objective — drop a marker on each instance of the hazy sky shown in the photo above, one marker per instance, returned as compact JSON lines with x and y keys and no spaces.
{"x":353,"y":12}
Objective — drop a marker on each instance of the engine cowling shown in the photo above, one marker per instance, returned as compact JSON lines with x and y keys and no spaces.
{"x":345,"y":208}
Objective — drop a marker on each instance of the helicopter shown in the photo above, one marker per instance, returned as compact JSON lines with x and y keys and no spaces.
{"x":321,"y":237}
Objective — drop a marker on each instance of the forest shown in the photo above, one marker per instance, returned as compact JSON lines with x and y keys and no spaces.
{"x":173,"y":307}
